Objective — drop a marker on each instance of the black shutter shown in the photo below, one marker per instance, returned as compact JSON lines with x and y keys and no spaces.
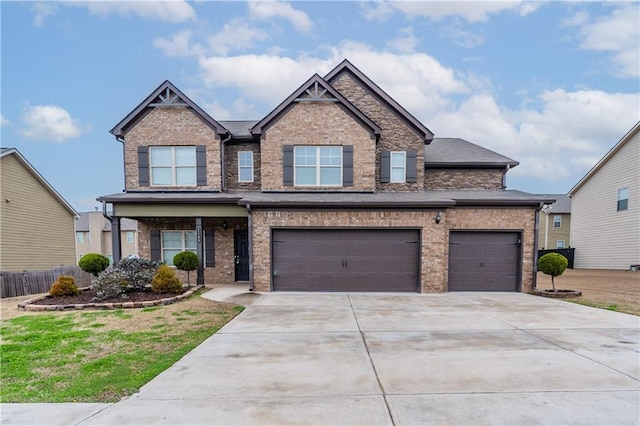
{"x":347,"y":165}
{"x":412,"y":168}
{"x":154,"y":244}
{"x":385,"y":166}
{"x":201,"y":165}
{"x":209,"y":248}
{"x":143,"y":165}
{"x":287,"y":165}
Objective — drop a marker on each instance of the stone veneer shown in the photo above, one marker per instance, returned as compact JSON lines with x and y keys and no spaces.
{"x":175,"y":126}
{"x":231,"y":167}
{"x":463,"y":179}
{"x":317,"y":123}
{"x":224,"y":270}
{"x":435,"y":237}
{"x":396,"y":134}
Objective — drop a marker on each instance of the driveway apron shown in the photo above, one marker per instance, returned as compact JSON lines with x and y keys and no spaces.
{"x":364,"y":358}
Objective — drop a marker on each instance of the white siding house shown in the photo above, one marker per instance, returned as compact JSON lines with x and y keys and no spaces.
{"x":605,"y":209}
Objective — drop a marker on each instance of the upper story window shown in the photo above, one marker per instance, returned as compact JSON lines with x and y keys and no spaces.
{"x":80,"y":237}
{"x":129,"y":236}
{"x":557,"y":221}
{"x":245,"y":166}
{"x":623,"y":199}
{"x":560,"y":244}
{"x":398,"y":166}
{"x":174,"y":242}
{"x":173,"y":165}
{"x":317,"y":166}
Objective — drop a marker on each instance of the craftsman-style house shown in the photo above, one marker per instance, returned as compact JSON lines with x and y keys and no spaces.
{"x":339,"y":188}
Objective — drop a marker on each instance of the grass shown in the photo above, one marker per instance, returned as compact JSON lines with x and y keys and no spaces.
{"x":608,"y":306}
{"x":100,"y":356}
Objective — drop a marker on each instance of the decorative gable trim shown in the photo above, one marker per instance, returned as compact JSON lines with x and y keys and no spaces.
{"x":347,"y":67}
{"x":316,"y":89}
{"x":165,"y":96}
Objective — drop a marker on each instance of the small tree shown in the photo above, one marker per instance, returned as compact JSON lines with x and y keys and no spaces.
{"x":186,"y":261}
{"x":139,"y":272}
{"x":93,"y":263}
{"x":166,"y":281}
{"x":553,"y":264}
{"x":65,"y":286}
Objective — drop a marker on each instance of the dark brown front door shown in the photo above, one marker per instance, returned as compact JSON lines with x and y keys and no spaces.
{"x":484,"y":261}
{"x":345,"y":260}
{"x":241,"y":253}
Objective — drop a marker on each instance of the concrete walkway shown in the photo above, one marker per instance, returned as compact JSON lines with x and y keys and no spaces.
{"x":456,"y":358}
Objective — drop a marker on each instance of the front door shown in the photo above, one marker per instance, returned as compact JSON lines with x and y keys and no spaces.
{"x":241,"y":252}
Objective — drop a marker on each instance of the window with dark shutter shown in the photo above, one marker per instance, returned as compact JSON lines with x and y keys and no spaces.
{"x":412,"y":166}
{"x":385,"y":166}
{"x":155,"y":245}
{"x":347,"y":165}
{"x":201,"y":165}
{"x":287,"y":165}
{"x":209,"y":248}
{"x":143,"y":165}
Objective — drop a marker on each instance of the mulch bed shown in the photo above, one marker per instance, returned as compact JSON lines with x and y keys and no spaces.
{"x":88,"y":295}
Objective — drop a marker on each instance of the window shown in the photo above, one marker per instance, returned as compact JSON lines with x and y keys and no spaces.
{"x":80,"y":237}
{"x":245,"y":166}
{"x":398,"y":167}
{"x":174,"y":242}
{"x":173,"y":165}
{"x":557,"y":221}
{"x":318,"y":166}
{"x":623,"y":199}
{"x":560,"y":244}
{"x":129,"y":236}
{"x":110,"y":257}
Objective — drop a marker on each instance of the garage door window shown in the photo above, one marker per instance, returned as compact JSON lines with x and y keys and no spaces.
{"x":318,"y":166}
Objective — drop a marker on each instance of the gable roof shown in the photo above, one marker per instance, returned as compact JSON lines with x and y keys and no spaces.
{"x":560,"y":206}
{"x":456,"y":152}
{"x":346,"y":66}
{"x":318,"y":90}
{"x":165,"y":95}
{"x":13,"y":151}
{"x":626,"y":138}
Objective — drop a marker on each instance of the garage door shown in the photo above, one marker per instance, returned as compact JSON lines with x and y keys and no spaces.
{"x":345,"y":260}
{"x":484,"y":261}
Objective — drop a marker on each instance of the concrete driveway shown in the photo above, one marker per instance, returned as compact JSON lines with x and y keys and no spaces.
{"x":456,"y":358}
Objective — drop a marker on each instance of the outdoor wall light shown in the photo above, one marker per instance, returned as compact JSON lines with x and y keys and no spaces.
{"x":438,"y":217}
{"x":225,"y":225}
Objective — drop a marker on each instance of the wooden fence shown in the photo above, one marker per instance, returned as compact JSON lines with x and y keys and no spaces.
{"x":33,"y":282}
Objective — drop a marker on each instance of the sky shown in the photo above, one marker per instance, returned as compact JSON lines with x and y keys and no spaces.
{"x":553,"y":85}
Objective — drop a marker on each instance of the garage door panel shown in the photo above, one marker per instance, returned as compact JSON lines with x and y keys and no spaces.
{"x":345,"y":260}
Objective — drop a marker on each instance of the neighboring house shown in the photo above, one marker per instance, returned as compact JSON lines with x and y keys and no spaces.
{"x":339,"y":188}
{"x":555,"y":223}
{"x":36,"y":223}
{"x":93,"y":235}
{"x":605,"y":209}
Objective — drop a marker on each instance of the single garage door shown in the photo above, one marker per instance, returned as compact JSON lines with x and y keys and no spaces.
{"x":345,"y":260}
{"x":484,"y":261}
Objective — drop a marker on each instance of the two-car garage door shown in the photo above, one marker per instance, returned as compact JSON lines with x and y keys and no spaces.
{"x":346,"y":259}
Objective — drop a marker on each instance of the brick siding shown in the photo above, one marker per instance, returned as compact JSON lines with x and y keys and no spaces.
{"x":231,"y":167}
{"x":463,"y":179}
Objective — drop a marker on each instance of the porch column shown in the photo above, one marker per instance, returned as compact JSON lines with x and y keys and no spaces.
{"x":116,"y":246}
{"x":200,"y":251}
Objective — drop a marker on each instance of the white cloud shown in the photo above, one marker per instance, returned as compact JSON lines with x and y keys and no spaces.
{"x":464,"y":38}
{"x":617,"y":33}
{"x":180,"y":45}
{"x":406,"y":42}
{"x":236,"y":35}
{"x":173,"y":11}
{"x":4,"y":121}
{"x":42,"y":11}
{"x":265,"y":10}
{"x":50,"y":123}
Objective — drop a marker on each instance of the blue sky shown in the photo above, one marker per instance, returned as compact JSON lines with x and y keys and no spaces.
{"x":553,"y":85}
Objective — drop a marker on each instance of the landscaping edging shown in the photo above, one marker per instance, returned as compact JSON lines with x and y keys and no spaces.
{"x":560,"y":294}
{"x":29,"y":305}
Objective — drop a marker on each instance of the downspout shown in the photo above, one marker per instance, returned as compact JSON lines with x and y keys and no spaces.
{"x":250,"y":244}
{"x":546,"y":229}
{"x":535,"y":247}
{"x":124,"y":172}
{"x":504,"y":177}
{"x":222,"y":167}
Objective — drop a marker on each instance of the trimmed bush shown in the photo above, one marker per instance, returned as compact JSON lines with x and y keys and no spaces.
{"x":186,"y":261}
{"x":110,"y":284}
{"x":139,"y":272}
{"x":553,"y":264}
{"x":93,"y":263}
{"x":64,"y":286}
{"x":166,"y":281}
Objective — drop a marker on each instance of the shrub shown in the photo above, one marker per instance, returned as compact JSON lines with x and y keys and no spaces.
{"x":186,"y":261}
{"x":65,"y":286}
{"x":138,"y":272}
{"x":553,"y":264}
{"x":110,"y":284}
{"x":93,"y":263}
{"x":166,"y":281}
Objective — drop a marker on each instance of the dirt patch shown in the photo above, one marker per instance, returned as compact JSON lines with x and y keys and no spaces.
{"x":616,"y":290}
{"x":87,"y":296}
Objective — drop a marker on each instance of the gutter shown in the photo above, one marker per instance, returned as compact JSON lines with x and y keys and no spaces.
{"x":222,"y":166}
{"x":535,"y":247}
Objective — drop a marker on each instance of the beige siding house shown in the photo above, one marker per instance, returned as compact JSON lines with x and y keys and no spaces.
{"x":93,"y":235}
{"x":36,"y":223}
{"x":554,"y":231}
{"x":605,"y":209}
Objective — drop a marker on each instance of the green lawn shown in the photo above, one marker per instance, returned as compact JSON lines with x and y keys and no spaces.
{"x":100,"y":356}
